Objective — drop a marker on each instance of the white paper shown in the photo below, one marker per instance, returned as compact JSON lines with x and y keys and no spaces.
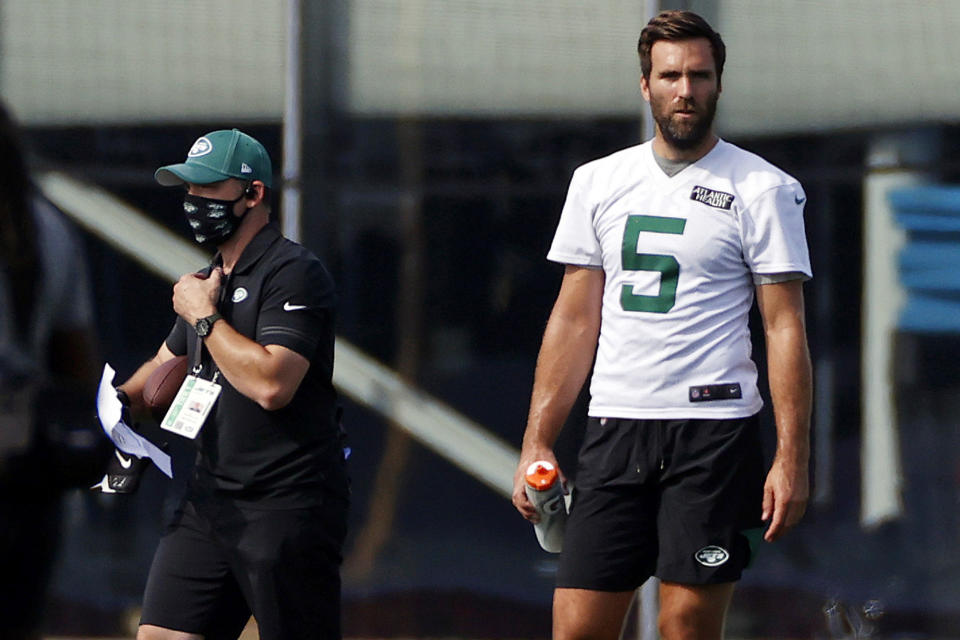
{"x":110,"y":412}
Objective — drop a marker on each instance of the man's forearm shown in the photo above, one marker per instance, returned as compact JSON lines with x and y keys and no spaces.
{"x":565,"y":359}
{"x":566,"y":355}
{"x":256,"y":371}
{"x":790,"y":375}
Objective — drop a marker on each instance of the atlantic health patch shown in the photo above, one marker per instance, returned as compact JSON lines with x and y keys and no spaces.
{"x":711,"y":198}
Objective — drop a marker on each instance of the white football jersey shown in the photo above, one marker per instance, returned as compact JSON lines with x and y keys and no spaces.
{"x":679,"y":255}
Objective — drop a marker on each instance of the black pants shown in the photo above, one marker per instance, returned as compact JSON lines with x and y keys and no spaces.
{"x":219,"y":562}
{"x":678,"y":499}
{"x":29,"y":538}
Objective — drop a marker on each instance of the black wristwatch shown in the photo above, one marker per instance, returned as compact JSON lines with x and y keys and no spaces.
{"x":205,"y":325}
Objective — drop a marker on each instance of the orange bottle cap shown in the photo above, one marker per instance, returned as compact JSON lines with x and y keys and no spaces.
{"x":541,"y":475}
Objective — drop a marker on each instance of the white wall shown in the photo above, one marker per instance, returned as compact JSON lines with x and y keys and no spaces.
{"x":822,"y":64}
{"x":69,"y":61}
{"x":495,"y":56}
{"x":792,"y":66}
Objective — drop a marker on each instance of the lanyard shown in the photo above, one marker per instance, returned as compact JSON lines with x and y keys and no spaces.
{"x":196,"y":365}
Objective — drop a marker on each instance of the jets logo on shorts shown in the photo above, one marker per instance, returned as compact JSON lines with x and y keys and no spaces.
{"x":200,"y":148}
{"x":712,"y":556}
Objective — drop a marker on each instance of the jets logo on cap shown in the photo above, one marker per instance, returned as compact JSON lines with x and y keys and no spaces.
{"x":200,"y":148}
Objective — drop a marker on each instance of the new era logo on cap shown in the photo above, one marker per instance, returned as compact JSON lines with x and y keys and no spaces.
{"x":245,"y":168}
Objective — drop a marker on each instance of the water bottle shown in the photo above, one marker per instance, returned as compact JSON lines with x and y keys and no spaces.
{"x":546,"y":493}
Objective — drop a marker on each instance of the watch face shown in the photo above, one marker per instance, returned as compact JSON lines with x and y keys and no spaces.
{"x":204,"y":326}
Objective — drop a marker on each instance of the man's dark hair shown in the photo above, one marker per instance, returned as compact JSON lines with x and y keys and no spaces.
{"x":679,"y":25}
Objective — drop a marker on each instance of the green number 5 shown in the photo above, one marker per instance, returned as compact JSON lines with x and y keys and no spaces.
{"x":666,"y":265}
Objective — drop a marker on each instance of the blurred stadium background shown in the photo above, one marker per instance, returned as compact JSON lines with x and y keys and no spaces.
{"x":426,"y":147}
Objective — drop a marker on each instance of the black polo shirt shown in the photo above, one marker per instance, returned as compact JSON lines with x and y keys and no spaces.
{"x":279,"y":293}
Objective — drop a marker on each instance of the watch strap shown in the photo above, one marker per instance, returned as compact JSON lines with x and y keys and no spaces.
{"x":206,"y":324}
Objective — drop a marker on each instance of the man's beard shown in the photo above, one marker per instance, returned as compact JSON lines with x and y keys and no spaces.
{"x":685,"y":135}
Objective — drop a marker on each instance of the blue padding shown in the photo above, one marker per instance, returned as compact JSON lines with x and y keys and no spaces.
{"x":932,"y":200}
{"x":925,"y":314}
{"x":929,"y":253}
{"x":930,"y":261}
{"x":926,"y":222}
{"x":930,"y":265}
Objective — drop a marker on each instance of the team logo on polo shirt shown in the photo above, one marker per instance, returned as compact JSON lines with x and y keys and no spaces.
{"x":712,"y":556}
{"x":239,"y":294}
{"x":200,"y":148}
{"x":711,"y":198}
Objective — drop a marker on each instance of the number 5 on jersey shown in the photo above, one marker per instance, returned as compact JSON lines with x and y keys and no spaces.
{"x":666,"y":265}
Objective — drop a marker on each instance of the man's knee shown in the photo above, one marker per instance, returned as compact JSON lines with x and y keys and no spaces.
{"x":583,"y":614}
{"x":690,"y":612}
{"x":685,"y":625}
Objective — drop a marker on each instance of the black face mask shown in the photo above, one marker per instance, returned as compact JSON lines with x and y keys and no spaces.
{"x":211,"y":220}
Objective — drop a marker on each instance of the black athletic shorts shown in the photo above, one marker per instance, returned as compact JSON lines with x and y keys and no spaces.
{"x":679,"y":499}
{"x":219,"y":562}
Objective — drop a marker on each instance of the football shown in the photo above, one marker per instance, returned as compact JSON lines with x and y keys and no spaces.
{"x":161,"y":387}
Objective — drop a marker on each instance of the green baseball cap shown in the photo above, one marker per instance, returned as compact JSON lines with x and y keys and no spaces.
{"x":217,"y":156}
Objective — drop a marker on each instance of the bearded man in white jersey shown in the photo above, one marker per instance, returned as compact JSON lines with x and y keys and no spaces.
{"x":665,"y":245}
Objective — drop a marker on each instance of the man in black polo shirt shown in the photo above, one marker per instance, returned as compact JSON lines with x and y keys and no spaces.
{"x":262,"y":525}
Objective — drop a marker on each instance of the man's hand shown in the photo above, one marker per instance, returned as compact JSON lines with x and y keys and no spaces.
{"x":785,"y":496}
{"x":125,"y":415}
{"x":520,"y":499}
{"x":195,"y":297}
